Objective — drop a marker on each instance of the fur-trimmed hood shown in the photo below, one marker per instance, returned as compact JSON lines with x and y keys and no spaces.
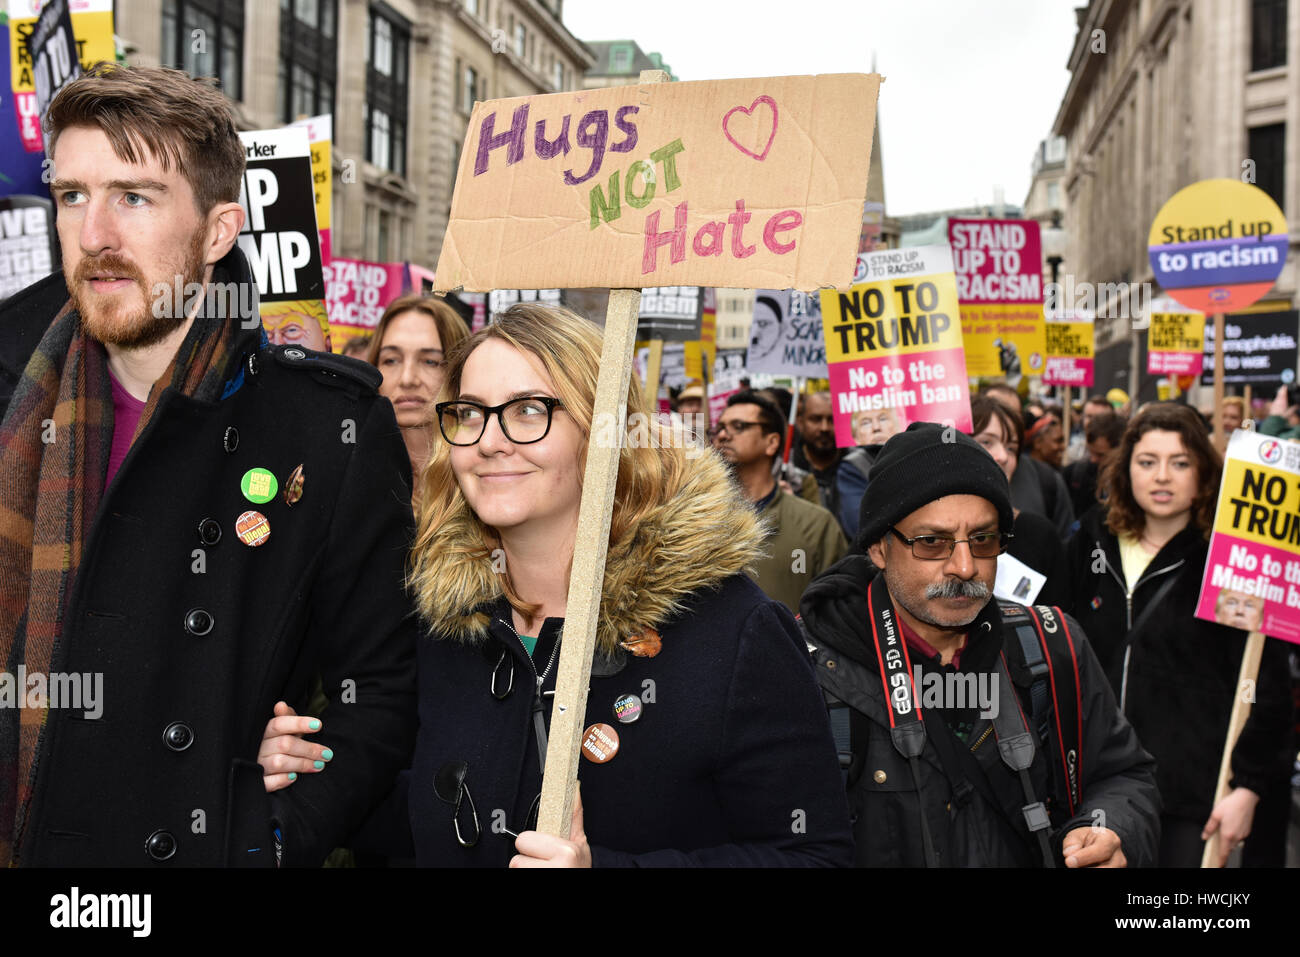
{"x":695,"y":540}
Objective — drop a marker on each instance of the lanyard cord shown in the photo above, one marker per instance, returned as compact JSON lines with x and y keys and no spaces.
{"x":905,"y":727}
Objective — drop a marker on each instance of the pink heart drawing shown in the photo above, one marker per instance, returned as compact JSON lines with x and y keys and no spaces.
{"x":751,"y":131}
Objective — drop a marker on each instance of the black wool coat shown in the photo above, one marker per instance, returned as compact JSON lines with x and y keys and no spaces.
{"x":197,"y":635}
{"x":1176,"y":683}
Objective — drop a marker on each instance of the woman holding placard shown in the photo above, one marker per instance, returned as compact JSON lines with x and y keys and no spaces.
{"x":707,"y":738}
{"x":1136,"y":569}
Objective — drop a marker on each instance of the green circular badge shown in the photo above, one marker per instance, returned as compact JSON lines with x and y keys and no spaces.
{"x":258,"y":486}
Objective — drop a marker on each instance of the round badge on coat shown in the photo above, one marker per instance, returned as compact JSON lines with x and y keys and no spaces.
{"x":259,"y":486}
{"x":627,"y":708}
{"x":599,"y":743}
{"x":253,"y":529}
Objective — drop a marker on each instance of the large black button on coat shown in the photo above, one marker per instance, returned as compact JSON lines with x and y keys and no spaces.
{"x":178,"y":736}
{"x":160,"y":846}
{"x":198,"y":622}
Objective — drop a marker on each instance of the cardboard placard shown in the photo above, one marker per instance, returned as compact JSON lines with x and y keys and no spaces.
{"x":894,"y":347}
{"x":998,"y":263}
{"x":52,"y":47}
{"x":280,"y":238}
{"x":92,"y":25}
{"x":785,"y":335}
{"x":320,"y":133}
{"x":499,"y":300}
{"x":1070,"y":345}
{"x":1218,"y":245}
{"x":1259,"y":348}
{"x":356,"y":294}
{"x":1175,"y":339}
{"x":736,"y":183}
{"x":1252,"y":574}
{"x":27,"y":242}
{"x":671,"y":313}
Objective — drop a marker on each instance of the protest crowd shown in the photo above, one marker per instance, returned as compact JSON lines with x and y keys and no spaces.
{"x":325,"y":592}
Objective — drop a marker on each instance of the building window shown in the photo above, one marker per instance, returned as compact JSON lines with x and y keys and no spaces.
{"x":204,"y":38}
{"x":521,"y":40}
{"x":386,"y":89}
{"x":308,"y":58}
{"x":381,"y":248}
{"x":620,"y":59}
{"x":1268,"y":150}
{"x":1053,"y":195}
{"x":1267,"y":34}
{"x":471,"y":7}
{"x":559,"y":74}
{"x":469,"y":90}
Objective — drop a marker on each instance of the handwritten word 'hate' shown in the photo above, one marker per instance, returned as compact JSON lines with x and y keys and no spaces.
{"x":708,"y":239}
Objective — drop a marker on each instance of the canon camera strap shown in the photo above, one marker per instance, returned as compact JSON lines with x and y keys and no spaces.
{"x":906,"y":729}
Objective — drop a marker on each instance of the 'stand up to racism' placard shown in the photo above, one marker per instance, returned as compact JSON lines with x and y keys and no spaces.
{"x":736,"y":183}
{"x":1000,"y":285}
{"x":1218,"y":245}
{"x":894,"y":346}
{"x":1252,"y":575}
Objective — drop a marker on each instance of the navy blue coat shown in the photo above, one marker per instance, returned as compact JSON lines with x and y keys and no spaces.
{"x":730,"y":763}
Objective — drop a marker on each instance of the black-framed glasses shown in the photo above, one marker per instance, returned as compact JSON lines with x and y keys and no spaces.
{"x":733,"y":428}
{"x":449,"y":785}
{"x":523,"y":421}
{"x":938,"y":547}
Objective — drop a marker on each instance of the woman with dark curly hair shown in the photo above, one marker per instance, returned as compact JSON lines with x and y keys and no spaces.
{"x":1136,"y":569}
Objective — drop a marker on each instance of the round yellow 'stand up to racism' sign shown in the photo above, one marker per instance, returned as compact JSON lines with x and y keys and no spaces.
{"x":1218,"y":245}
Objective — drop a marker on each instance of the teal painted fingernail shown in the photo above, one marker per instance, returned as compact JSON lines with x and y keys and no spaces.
{"x":315,"y":725}
{"x":293,"y":776}
{"x":318,"y":765}
{"x":327,"y":754}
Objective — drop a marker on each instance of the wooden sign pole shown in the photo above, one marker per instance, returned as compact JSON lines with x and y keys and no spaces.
{"x":1240,"y":711}
{"x":1216,"y":423}
{"x":652,"y":366}
{"x":1065,"y":422}
{"x":587,"y":576}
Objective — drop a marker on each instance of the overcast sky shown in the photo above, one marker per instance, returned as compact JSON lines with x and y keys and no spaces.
{"x":971,"y":86}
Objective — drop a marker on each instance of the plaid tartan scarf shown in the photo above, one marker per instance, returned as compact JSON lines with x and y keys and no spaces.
{"x":54,"y":448}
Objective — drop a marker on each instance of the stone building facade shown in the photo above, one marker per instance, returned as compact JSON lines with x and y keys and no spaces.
{"x":399,"y":76}
{"x":1162,"y":94}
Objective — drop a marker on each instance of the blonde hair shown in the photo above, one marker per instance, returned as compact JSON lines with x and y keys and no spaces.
{"x":568,"y":347}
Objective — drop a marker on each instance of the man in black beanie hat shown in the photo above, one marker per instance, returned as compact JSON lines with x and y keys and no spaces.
{"x":975,"y":732}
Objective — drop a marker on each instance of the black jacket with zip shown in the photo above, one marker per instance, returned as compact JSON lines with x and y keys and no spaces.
{"x":968,"y":829}
{"x":1177,"y":680}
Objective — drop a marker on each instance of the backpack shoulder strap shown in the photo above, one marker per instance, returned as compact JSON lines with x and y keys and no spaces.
{"x":1040,"y":637}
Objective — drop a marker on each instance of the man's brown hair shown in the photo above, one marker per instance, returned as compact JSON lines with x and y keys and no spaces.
{"x":185,"y":123}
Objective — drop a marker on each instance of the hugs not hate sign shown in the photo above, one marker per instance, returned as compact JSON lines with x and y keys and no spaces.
{"x":734,"y":183}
